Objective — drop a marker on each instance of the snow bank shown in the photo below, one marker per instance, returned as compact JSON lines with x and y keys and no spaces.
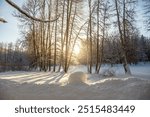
{"x":77,"y":78}
{"x":123,"y":88}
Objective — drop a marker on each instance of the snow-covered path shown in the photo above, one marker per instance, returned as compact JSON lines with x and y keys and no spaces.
{"x":49,"y":85}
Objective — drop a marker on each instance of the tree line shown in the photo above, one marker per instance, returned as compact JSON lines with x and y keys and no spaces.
{"x":138,"y":50}
{"x":12,"y":57}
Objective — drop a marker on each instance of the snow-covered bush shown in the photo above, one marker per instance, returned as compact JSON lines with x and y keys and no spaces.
{"x":77,"y":78}
{"x":108,"y":72}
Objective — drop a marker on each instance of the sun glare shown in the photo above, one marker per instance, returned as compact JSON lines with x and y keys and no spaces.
{"x":76,"y":49}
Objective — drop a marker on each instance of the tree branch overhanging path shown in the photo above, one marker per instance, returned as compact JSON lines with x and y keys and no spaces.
{"x":26,"y":14}
{"x":2,"y":20}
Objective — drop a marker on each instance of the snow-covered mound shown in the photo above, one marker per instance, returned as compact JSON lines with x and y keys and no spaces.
{"x":77,"y":78}
{"x":123,"y":88}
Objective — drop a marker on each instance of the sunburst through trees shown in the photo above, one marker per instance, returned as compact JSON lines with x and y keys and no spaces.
{"x":59,"y":33}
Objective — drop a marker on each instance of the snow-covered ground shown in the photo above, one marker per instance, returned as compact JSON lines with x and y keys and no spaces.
{"x":77,"y":84}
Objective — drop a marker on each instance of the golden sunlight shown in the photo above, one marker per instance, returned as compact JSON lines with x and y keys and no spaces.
{"x":76,"y":49}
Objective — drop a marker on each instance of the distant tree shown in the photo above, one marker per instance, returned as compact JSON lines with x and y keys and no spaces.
{"x":112,"y":49}
{"x":148,"y":49}
{"x":12,"y":57}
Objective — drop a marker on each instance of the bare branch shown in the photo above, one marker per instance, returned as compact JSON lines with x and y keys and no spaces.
{"x":26,"y":14}
{"x":2,"y":20}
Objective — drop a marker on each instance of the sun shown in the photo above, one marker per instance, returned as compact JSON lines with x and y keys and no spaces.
{"x":76,"y":49}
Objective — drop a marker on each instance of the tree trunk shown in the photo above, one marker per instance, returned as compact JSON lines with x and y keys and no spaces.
{"x":125,"y":63}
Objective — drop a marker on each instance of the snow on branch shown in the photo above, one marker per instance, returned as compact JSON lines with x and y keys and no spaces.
{"x":26,"y":14}
{"x":2,"y":20}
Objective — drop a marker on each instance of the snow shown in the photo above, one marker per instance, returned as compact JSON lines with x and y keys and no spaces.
{"x":77,"y":84}
{"x":77,"y":78}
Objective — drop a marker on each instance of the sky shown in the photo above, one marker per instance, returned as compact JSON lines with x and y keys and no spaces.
{"x":140,"y":19}
{"x":9,"y":32}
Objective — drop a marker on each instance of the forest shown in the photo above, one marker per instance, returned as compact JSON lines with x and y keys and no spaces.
{"x":56,"y":34}
{"x":77,"y":50}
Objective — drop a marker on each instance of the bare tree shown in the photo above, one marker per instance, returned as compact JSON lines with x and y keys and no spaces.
{"x":103,"y":17}
{"x":98,"y":37}
{"x":123,"y":16}
{"x":62,"y":36}
{"x":26,"y":14}
{"x":89,"y":38}
{"x":55,"y":40}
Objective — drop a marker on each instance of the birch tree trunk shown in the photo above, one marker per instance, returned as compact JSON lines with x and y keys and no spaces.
{"x":122,"y":37}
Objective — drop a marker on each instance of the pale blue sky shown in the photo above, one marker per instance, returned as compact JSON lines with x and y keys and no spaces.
{"x":140,"y":19}
{"x":9,"y":32}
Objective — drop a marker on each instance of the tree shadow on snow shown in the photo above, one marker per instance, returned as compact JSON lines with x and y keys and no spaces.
{"x":134,"y":89}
